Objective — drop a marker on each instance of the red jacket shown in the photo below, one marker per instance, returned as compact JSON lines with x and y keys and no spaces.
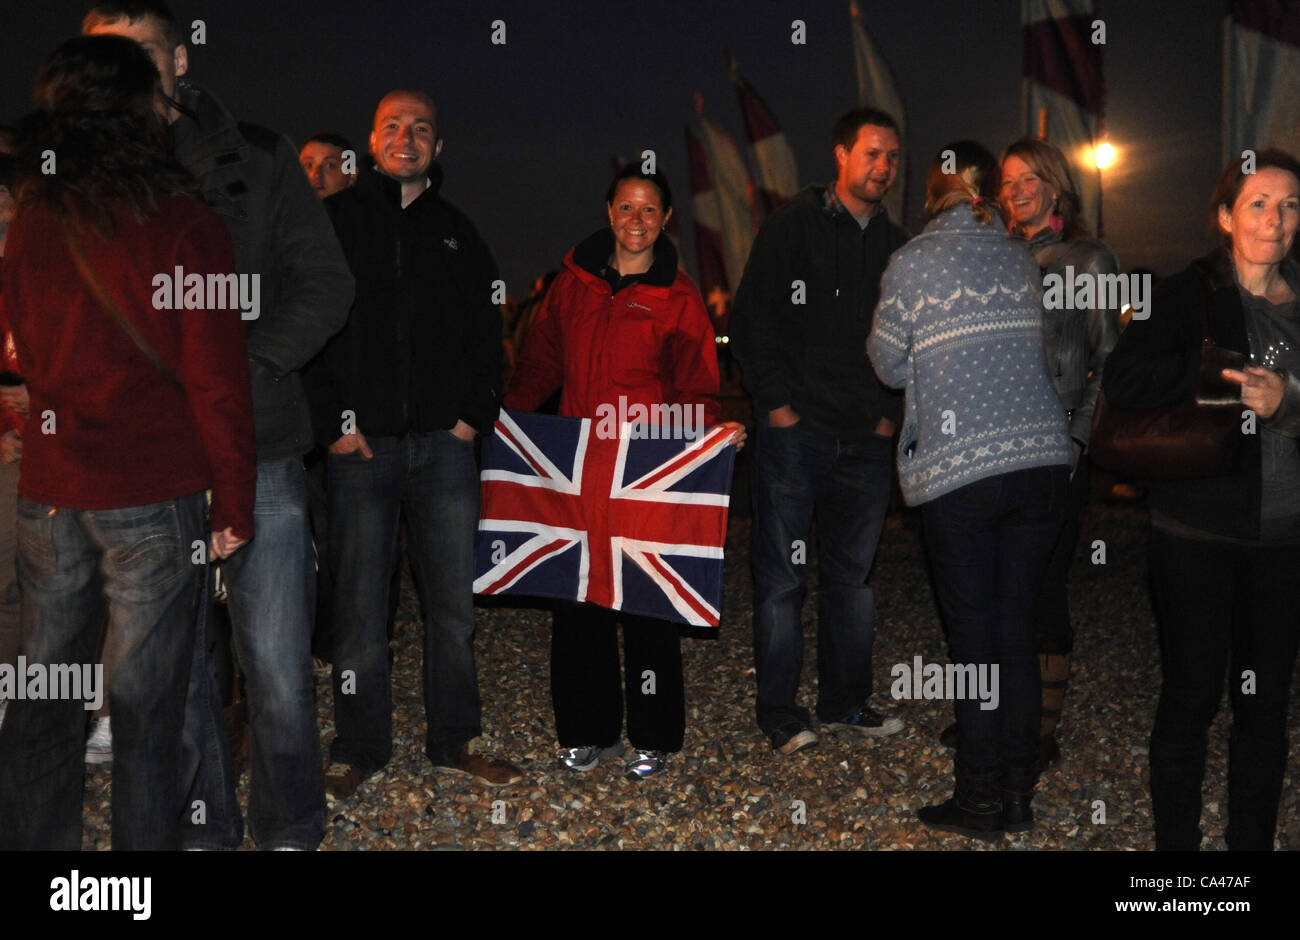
{"x":651,"y":342}
{"x":122,"y":434}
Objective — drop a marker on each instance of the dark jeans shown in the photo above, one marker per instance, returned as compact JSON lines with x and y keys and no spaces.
{"x":72,"y":563}
{"x":272,"y":588}
{"x":586,"y":686}
{"x":1221,"y":608}
{"x":989,"y":543}
{"x":433,"y":478}
{"x":1052,"y":608}
{"x":798,"y":475}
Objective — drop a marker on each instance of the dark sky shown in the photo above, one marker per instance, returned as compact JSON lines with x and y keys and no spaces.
{"x":530,"y":126}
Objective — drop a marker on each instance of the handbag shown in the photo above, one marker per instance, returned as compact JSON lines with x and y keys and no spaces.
{"x":1180,"y":441}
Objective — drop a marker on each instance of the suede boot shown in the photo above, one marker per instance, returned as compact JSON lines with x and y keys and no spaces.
{"x":974,"y":810}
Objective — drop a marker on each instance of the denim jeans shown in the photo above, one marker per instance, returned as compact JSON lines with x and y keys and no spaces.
{"x":989,"y":543}
{"x":844,"y":484}
{"x":1222,"y":609}
{"x":72,"y":563}
{"x":433,"y":478}
{"x":272,"y":590}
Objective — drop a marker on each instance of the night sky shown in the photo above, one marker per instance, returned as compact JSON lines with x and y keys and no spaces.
{"x":531,"y":126}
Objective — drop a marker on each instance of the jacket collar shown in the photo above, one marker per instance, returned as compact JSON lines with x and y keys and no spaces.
{"x":590,"y":256}
{"x":389,"y":190}
{"x":205,"y":133}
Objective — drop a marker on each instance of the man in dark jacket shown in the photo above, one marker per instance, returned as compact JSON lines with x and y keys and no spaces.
{"x":398,"y":397}
{"x":824,"y":429}
{"x":251,"y":177}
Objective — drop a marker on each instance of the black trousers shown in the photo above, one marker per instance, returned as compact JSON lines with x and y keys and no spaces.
{"x":1052,"y":607}
{"x":586,"y":687}
{"x":1222,"y":609}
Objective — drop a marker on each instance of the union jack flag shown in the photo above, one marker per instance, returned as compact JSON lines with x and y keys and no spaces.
{"x":625,"y":523}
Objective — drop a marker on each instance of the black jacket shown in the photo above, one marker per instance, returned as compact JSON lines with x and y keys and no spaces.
{"x":1157,"y":362}
{"x":422,"y":345}
{"x":810,"y":355}
{"x":251,"y":177}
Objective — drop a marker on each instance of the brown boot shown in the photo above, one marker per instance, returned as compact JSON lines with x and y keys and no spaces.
{"x":1055,"y":671}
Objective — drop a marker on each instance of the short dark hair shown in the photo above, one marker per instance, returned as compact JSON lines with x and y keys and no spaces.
{"x":1233,"y":178}
{"x":110,"y":11}
{"x":633,"y":171}
{"x":331,"y":138}
{"x":847,"y":127}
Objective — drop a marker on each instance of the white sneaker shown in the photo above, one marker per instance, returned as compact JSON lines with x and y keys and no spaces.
{"x":99,"y":746}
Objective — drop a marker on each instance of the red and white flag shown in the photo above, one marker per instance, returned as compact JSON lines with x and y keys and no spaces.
{"x":778,"y":181}
{"x":722,"y":197}
{"x":1063,"y":83}
{"x":1261,"y":77}
{"x":876,"y":89}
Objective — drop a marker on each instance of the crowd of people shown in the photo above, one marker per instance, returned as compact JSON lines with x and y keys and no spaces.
{"x":287,"y":460}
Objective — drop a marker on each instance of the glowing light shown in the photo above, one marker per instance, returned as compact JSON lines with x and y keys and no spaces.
{"x":1105,"y":156}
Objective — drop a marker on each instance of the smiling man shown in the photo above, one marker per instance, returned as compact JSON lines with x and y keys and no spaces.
{"x":799,"y":330}
{"x":398,"y":397}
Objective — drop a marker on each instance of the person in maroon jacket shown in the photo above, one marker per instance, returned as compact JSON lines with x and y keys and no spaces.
{"x":621,"y":321}
{"x":138,"y":404}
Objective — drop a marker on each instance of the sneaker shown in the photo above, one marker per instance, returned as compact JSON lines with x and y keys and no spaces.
{"x":792,"y":737}
{"x":99,"y":746}
{"x":583,"y":759}
{"x":866,"y":720}
{"x":646,"y":764}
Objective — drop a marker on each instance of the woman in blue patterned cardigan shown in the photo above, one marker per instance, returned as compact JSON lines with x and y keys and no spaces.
{"x":985,"y":452}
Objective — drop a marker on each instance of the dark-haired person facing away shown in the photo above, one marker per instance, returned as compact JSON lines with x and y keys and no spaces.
{"x":1225,"y":549}
{"x":824,"y":425}
{"x":984,"y":453}
{"x":149,"y":408}
{"x":252,"y":178}
{"x":398,"y":397}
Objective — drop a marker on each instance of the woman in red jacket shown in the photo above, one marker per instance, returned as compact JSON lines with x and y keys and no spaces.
{"x":621,"y":326}
{"x":136,"y":408}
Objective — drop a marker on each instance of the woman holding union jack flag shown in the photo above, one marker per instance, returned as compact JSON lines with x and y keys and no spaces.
{"x":622,"y":330}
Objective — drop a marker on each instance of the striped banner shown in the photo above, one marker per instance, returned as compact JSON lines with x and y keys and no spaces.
{"x":876,"y":89}
{"x":1261,"y":77}
{"x":777,"y":179}
{"x":1063,"y":84}
{"x":723,"y":202}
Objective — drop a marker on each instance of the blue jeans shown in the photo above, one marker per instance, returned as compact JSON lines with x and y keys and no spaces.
{"x":800,"y":475}
{"x":272,"y":591}
{"x":989,"y":543}
{"x":72,"y":563}
{"x":433,"y":478}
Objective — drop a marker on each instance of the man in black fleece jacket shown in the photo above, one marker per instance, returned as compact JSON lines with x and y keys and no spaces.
{"x":824,"y":429}
{"x":398,"y":397}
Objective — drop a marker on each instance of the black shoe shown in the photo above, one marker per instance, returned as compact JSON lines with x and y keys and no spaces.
{"x":1017,"y":793}
{"x":975,"y":810}
{"x":948,"y":736}
{"x":1049,"y":752}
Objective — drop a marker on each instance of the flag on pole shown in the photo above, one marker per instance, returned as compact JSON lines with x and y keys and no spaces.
{"x":876,"y":89}
{"x":1063,"y":82}
{"x":1261,"y":77}
{"x":573,"y":511}
{"x":722,"y":197}
{"x":778,"y":181}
